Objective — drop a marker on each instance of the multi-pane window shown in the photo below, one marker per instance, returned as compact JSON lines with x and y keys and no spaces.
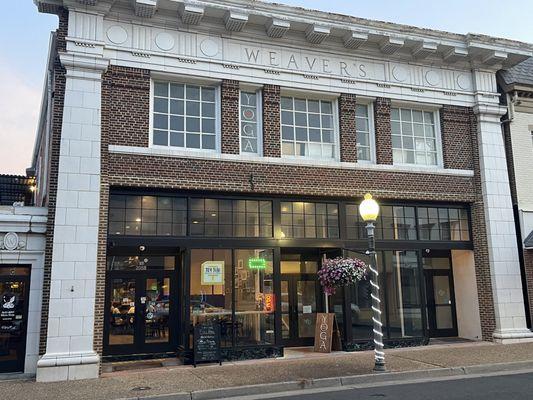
{"x":309,"y":220}
{"x":414,"y":137}
{"x":147,"y":215}
{"x":307,"y":128}
{"x":184,"y":116}
{"x":250,"y":122}
{"x":443,"y":223}
{"x":363,"y":128}
{"x":410,"y":223}
{"x":230,"y":218}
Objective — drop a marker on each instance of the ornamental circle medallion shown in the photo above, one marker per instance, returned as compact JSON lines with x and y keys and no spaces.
{"x":432,"y":78}
{"x":400,"y":73}
{"x":11,"y":241}
{"x":164,"y":41}
{"x":117,"y":34}
{"x":209,"y":48}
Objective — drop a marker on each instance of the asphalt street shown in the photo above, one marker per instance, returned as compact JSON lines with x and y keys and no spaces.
{"x":506,"y":387}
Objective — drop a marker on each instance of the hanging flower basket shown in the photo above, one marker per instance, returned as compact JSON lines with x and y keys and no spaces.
{"x":339,"y":272}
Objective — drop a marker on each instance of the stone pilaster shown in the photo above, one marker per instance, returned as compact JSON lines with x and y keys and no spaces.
{"x":69,"y":346}
{"x":501,"y":236}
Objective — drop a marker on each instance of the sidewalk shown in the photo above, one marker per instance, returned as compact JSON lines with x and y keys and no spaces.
{"x":180,"y":379}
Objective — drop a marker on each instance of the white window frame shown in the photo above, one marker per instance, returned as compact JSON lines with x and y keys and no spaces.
{"x":372,"y":131}
{"x":310,"y":95}
{"x":259,"y":110}
{"x":215,"y":84}
{"x":438,"y":136}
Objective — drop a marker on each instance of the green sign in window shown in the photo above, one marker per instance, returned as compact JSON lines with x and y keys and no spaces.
{"x":257,"y":263}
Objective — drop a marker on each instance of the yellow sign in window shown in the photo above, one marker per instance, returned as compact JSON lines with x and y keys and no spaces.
{"x":213,"y":273}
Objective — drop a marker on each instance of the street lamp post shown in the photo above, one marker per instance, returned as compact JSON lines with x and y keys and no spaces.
{"x":369,"y":211}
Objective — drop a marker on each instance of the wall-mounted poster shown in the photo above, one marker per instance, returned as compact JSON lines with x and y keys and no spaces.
{"x":212,"y":273}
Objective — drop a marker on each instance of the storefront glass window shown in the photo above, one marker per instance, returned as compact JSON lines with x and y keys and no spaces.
{"x":440,"y":223}
{"x":122,"y":313}
{"x":230,"y":218}
{"x":210,"y":299}
{"x":147,"y":215}
{"x":140,"y":263}
{"x":254,"y":297}
{"x":403,"y":288}
{"x":309,"y":220}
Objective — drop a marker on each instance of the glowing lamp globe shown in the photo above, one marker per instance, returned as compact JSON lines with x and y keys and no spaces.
{"x":369,"y":209}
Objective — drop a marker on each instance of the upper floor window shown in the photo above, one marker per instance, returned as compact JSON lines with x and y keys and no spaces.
{"x":184,"y":116}
{"x":250,"y":122}
{"x":365,"y":132}
{"x":414,"y":137}
{"x":307,"y":128}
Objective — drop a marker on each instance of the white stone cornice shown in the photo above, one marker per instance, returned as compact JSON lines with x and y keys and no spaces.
{"x":84,"y":66}
{"x":390,"y":45}
{"x":277,"y":28}
{"x":455,"y":54}
{"x":235,"y":21}
{"x":317,"y":33}
{"x":354,"y":39}
{"x":494,"y":57}
{"x":191,"y":13}
{"x":145,"y":8}
{"x":424,"y":50}
{"x":489,"y":111}
{"x":88,"y":2}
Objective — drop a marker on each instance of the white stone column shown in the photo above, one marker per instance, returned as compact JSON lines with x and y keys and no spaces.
{"x":501,"y":236}
{"x":69,"y":348}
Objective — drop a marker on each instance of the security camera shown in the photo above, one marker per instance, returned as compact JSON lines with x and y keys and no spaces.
{"x":142,"y":248}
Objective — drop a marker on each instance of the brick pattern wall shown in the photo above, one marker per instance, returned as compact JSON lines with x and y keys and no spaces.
{"x":107,"y":122}
{"x":479,"y":240}
{"x":383,"y":131}
{"x":57,"y":121}
{"x":230,"y":116}
{"x":128,"y":102}
{"x":125,"y":170}
{"x":235,"y":177}
{"x":271,"y":121}
{"x":348,"y":136}
{"x":456,"y":140}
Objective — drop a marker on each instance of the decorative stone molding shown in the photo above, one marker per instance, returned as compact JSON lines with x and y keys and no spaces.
{"x":277,"y":28}
{"x":424,"y":50}
{"x":391,"y":45}
{"x":145,"y":8}
{"x":191,"y":13}
{"x":235,"y":21}
{"x":11,"y":242}
{"x":354,"y":39}
{"x":317,"y":33}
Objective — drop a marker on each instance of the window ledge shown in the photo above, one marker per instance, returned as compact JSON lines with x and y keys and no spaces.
{"x":212,"y":155}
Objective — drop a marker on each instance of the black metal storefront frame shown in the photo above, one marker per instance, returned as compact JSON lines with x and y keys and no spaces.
{"x":129,"y":245}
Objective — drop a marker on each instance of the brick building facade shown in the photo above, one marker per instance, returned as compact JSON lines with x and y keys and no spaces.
{"x":200,"y":177}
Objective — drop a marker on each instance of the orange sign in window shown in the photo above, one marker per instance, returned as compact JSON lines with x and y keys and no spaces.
{"x":270,"y":302}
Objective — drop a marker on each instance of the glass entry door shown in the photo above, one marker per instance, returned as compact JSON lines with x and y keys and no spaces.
{"x":141,"y":314}
{"x":440,"y":298}
{"x":298,"y":309}
{"x":13,"y":318}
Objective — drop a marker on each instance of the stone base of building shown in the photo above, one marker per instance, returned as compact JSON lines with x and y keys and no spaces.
{"x":59,"y":367}
{"x":508,"y":336}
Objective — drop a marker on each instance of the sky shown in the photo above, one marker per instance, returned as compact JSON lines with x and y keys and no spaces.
{"x":24,"y":37}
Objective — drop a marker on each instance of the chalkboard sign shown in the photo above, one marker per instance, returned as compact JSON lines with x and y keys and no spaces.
{"x":207,"y":343}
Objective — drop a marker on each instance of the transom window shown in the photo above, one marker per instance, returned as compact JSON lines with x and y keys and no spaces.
{"x":414,"y":137}
{"x":309,"y":220}
{"x":250,"y":122}
{"x":363,"y":129}
{"x":307,"y":128}
{"x":184,"y":116}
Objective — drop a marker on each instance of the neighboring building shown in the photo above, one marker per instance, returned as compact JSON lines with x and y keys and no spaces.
{"x":199,"y":159}
{"x":16,"y":189}
{"x":516,"y":85}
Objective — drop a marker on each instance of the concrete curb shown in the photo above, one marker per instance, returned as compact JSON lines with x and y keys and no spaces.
{"x":387,"y":377}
